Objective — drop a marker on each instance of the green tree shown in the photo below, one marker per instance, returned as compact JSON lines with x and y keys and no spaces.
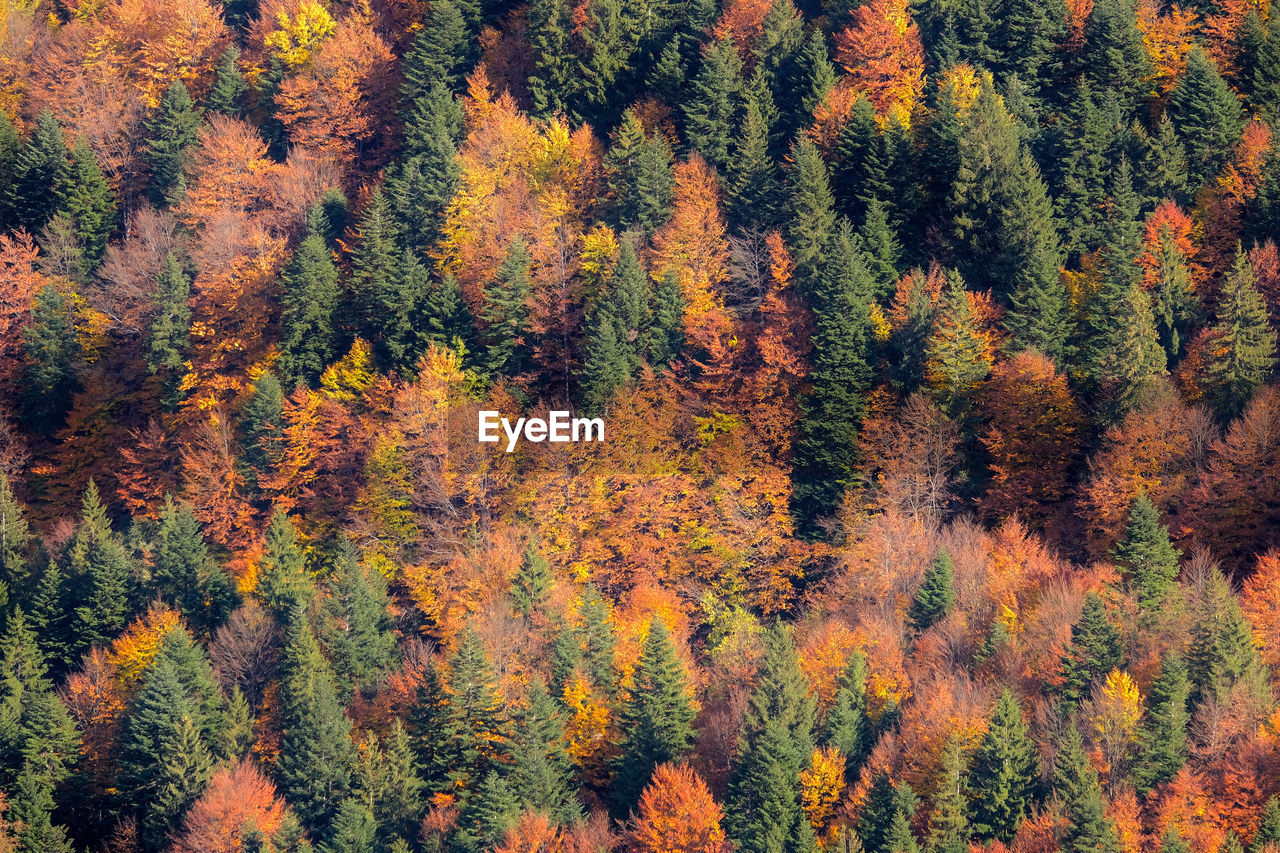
{"x":1241,"y":361}
{"x":542,"y":772}
{"x":1076,"y":783}
{"x":1162,"y":732}
{"x":813,"y":220}
{"x":754,"y":183}
{"x":444,"y":49}
{"x":1173,"y":842}
{"x":1120,"y":352}
{"x":617,"y":330}
{"x":427,"y":719}
{"x":308,"y":338}
{"x":639,"y":177}
{"x":1145,"y":550}
{"x":1114,"y":57}
{"x":609,"y":36}
{"x":354,"y":829}
{"x":1003,"y":774}
{"x":100,"y":575}
{"x":398,"y":805}
{"x":263,"y":424}
{"x":477,"y":729}
{"x":84,"y":196}
{"x":595,"y":632}
{"x":958,"y":357}
{"x":1039,"y":311}
{"x":1207,"y":116}
{"x":666,"y":335}
{"x":936,"y":595}
{"x":422,"y":183}
{"x":847,"y":726}
{"x":883,"y":249}
{"x":506,"y":312}
{"x":15,"y":544}
{"x":389,"y":285}
{"x":170,"y":330}
{"x":182,"y":571}
{"x":1222,"y":650}
{"x":554,"y":74}
{"x":949,"y":820}
{"x":1176,"y":304}
{"x":712,"y":103}
{"x":1268,"y":831}
{"x":859,"y":176}
{"x":884,"y":825}
{"x":356,"y":623}
{"x":284,"y":585}
{"x":36,"y":733}
{"x":229,"y":85}
{"x":1094,"y":651}
{"x":171,"y":131}
{"x":52,"y":353}
{"x":532,"y":582}
{"x":31,"y":198}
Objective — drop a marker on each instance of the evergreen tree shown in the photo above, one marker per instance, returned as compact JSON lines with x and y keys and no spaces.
{"x":237,"y":736}
{"x":1222,"y":645}
{"x":1207,"y":116}
{"x":84,"y":196}
{"x":488,"y":815}
{"x":639,"y":177}
{"x":813,"y":219}
{"x":1264,"y":72}
{"x":354,"y":829}
{"x":1176,"y":304}
{"x":181,"y":567}
{"x":31,"y":198}
{"x":444,"y":49}
{"x":284,"y":585}
{"x":52,"y":353}
{"x":448,"y":319}
{"x":1173,"y":842}
{"x":814,"y":77}
{"x":1003,"y":773}
{"x":619,"y":322}
{"x":390,"y":287}
{"x":10,"y":151}
{"x":1148,"y":554}
{"x":1114,"y":58}
{"x":398,"y":806}
{"x":859,"y":176}
{"x":847,"y":726}
{"x":180,"y":780}
{"x":426,"y":730}
{"x":609,"y":36}
{"x":1094,"y":651}
{"x":308,"y":338}
{"x":552,"y":81}
{"x":506,"y":312}
{"x":1231,"y":844}
{"x":36,"y":732}
{"x":424,"y":181}
{"x":754,"y":183}
{"x":1268,"y":831}
{"x":1241,"y":361}
{"x":229,"y":85}
{"x":1120,"y":352}
{"x":542,"y":772}
{"x":1039,"y":315}
{"x":936,"y":594}
{"x":263,"y":423}
{"x":949,"y":820}
{"x":476,"y":731}
{"x":884,"y":825}
{"x":171,"y":132}
{"x":533,"y":582}
{"x":883,"y":249}
{"x":51,"y":616}
{"x":958,"y":360}
{"x":170,"y":330}
{"x":656,"y":717}
{"x":597,"y":640}
{"x":1162,"y":732}
{"x":826,"y":449}
{"x":15,"y":543}
{"x":712,"y":103}
{"x":100,"y":576}
{"x":1076,"y":783}
{"x":666,"y":335}
{"x":357,"y":628}
{"x":316,"y":754}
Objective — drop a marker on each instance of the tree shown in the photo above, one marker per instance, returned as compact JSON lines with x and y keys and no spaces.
{"x":949,"y":820}
{"x":100,"y":578}
{"x":1162,"y":733}
{"x":754,"y":183}
{"x":858,"y":177}
{"x":444,"y":49}
{"x":1038,"y":316}
{"x":354,"y":829}
{"x":52,"y":351}
{"x":959,"y":351}
{"x":389,"y":286}
{"x":284,"y":585}
{"x":1222,"y":645}
{"x":1121,"y":352}
{"x":1094,"y":651}
{"x":1003,"y":773}
{"x":619,"y":324}
{"x":552,"y":80}
{"x":1268,"y":831}
{"x":1114,"y":53}
{"x":542,"y":771}
{"x":426,"y":720}
{"x":666,"y":335}
{"x":356,"y":623}
{"x":813,"y":219}
{"x":31,"y":199}
{"x":847,"y":727}
{"x":1245,"y":343}
{"x":677,"y":812}
{"x":171,"y":131}
{"x":711,"y":105}
{"x":170,"y":329}
{"x":476,"y":730}
{"x":15,"y":542}
{"x":308,"y":339}
{"x":656,"y":718}
{"x":265,"y":445}
{"x":1076,"y":783}
{"x":884,"y":825}
{"x":422,"y":184}
{"x":397,"y":805}
{"x":533,"y":582}
{"x":936,"y":596}
{"x":183,"y":572}
{"x":1207,"y":116}
{"x":84,"y":196}
{"x":639,"y":176}
{"x":1148,"y":554}
{"x":506,"y":312}
{"x":229,"y":85}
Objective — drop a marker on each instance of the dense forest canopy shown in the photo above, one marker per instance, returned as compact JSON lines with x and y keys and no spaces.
{"x":939,"y":503}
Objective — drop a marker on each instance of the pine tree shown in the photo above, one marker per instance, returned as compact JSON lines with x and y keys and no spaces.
{"x":178,"y":560}
{"x":883,"y":249}
{"x":597,"y":640}
{"x":52,"y":353}
{"x":1114,"y":57}
{"x":1039,"y":315}
{"x":390,"y":287}
{"x":263,"y":425}
{"x":170,"y":330}
{"x":1246,"y":345}
{"x":1003,"y":773}
{"x":656,"y":717}
{"x":754,"y":184}
{"x":542,"y":771}
{"x":826,"y":449}
{"x":171,"y":132}
{"x":31,"y":199}
{"x":506,"y":312}
{"x":1207,"y":116}
{"x":1120,"y":352}
{"x":813,"y":219}
{"x":847,"y":726}
{"x":814,"y":77}
{"x":425,"y":180}
{"x":1268,"y":831}
{"x":618,"y":326}
{"x":1095,"y":650}
{"x":958,"y":353}
{"x":936,"y":595}
{"x":100,"y":575}
{"x":1076,"y":783}
{"x":1176,"y":304}
{"x":398,"y":805}
{"x":51,"y":617}
{"x":712,"y":103}
{"x":639,"y":177}
{"x":884,"y":825}
{"x":35,"y":729}
{"x":859,"y":177}
{"x":1264,"y":72}
{"x":666,"y":335}
{"x":15,"y":543}
{"x":180,"y":780}
{"x":1222,"y":650}
{"x":284,"y":585}
{"x":354,"y":829}
{"x":357,"y":627}
{"x":476,"y":731}
{"x":444,"y":49}
{"x":609,"y":35}
{"x":1148,"y":554}
{"x":1162,"y":732}
{"x":308,"y":339}
{"x":552,"y":81}
{"x":84,"y":196}
{"x":316,"y":753}
{"x":533,"y":582}
{"x":229,"y":85}
{"x":949,"y":820}
{"x":426,"y":730}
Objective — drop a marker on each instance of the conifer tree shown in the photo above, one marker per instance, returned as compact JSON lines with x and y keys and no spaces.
{"x":551,"y":83}
{"x":1162,"y":732}
{"x":1114,"y":58}
{"x":506,"y":312}
{"x":1268,"y":831}
{"x":959,"y":357}
{"x":656,"y":717}
{"x":10,"y":151}
{"x":1148,"y":554}
{"x":1231,"y":844}
{"x":15,"y":542}
{"x":1003,"y":773}
{"x":1076,"y":783}
{"x":1207,"y":116}
{"x":814,"y":77}
{"x":1120,"y":351}
{"x":229,"y":85}
{"x":389,"y":285}
{"x":476,"y":730}
{"x":35,"y":729}
{"x":712,"y":103}
{"x":398,"y":806}
{"x":1095,"y":650}
{"x":52,"y":353}
{"x":444,"y":49}
{"x":354,"y":829}
{"x":263,"y":424}
{"x":284,"y":585}
{"x":533,"y":582}
{"x":1222,"y":644}
{"x":100,"y":576}
{"x":639,"y":176}
{"x":426,"y":730}
{"x":883,"y":249}
{"x":357,"y":628}
{"x":1173,"y":842}
{"x":754,"y":183}
{"x":542,"y":772}
{"x":488,"y":815}
{"x":448,"y":319}
{"x":609,"y":37}
{"x":308,"y":339}
{"x":170,"y":330}
{"x":171,"y":132}
{"x":84,"y":196}
{"x":597,"y":640}
{"x":1038,"y":316}
{"x":1264,"y":72}
{"x":813,"y":219}
{"x":936,"y":595}
{"x":31,"y":199}
{"x":884,"y":825}
{"x":182,"y":572}
{"x":1176,"y":304}
{"x":859,"y":177}
{"x":52,"y":617}
{"x":847,"y":726}
{"x":421,"y":184}
{"x":666,"y":335}
{"x":237,"y":736}
{"x":1246,"y":344}
{"x":949,"y":820}
{"x":618,"y":325}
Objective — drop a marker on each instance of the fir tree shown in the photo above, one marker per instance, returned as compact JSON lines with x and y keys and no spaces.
{"x":357,"y":628}
{"x":284,"y":585}
{"x":506,"y":312}
{"x":712,"y":103}
{"x":1264,"y":72}
{"x":1268,"y":831}
{"x":666,"y":335}
{"x":52,"y":353}
{"x":620,"y":321}
{"x":51,"y":616}
{"x":10,"y":151}
{"x":1241,"y":361}
{"x":476,"y":734}
{"x":444,"y":49}
{"x":1231,"y":844}
{"x":813,"y":219}
{"x":1222,"y":650}
{"x":488,"y":814}
{"x":1162,"y":732}
{"x":884,"y":825}
{"x":1094,"y":650}
{"x":1076,"y":783}
{"x":542,"y":771}
{"x":883,"y":249}
{"x":597,"y":640}
{"x":354,"y":829}
{"x":178,"y":561}
{"x":229,"y":85}
{"x":1176,"y":304}
{"x":754,"y":184}
{"x":171,"y":132}
{"x":426,"y":730}
{"x":936,"y":595}
{"x":1003,"y":773}
{"x":390,"y":286}
{"x":15,"y":542}
{"x":398,"y":806}
{"x":958,"y":361}
{"x":35,"y":729}
{"x":31,"y":198}
{"x":656,"y":718}
{"x":170,"y":330}
{"x":551,"y":83}
{"x":237,"y":736}
{"x":1114,"y":57}
{"x":1039,"y":311}
{"x":609,"y":36}
{"x":1173,"y":842}
{"x":1120,"y":352}
{"x":533,"y":582}
{"x":100,"y":576}
{"x":1207,"y":116}
{"x":814,"y":78}
{"x":84,"y":196}
{"x":263,"y":424}
{"x":448,"y":319}
{"x":308,"y":338}
{"x":181,"y":778}
{"x":847,"y":726}
{"x":859,"y":175}
{"x":1148,"y":554}
{"x":949,"y":820}
{"x":639,"y":176}
{"x":421,"y":184}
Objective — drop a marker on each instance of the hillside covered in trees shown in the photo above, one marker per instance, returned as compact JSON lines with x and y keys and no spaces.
{"x":938,"y":508}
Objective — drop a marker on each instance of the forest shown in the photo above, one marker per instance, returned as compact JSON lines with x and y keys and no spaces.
{"x":938,"y":505}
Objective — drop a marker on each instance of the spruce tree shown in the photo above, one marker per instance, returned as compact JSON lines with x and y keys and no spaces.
{"x":35,"y":729}
{"x":100,"y":576}
{"x":1264,"y":72}
{"x":1207,"y":116}
{"x":859,"y":176}
{"x":958,"y":360}
{"x":826,"y":449}
{"x":532,"y":582}
{"x":1244,"y":354}
{"x":1120,"y":352}
{"x":609,"y":37}
{"x":712,"y":103}
{"x":638,"y":174}
{"x":1039,"y":312}
{"x":814,"y":77}
{"x":1173,"y":842}
{"x":1162,"y":732}
{"x":182,"y":776}
{"x":229,"y":85}
{"x":84,"y":196}
{"x":356,"y":623}
{"x":884,"y":825}
{"x":597,"y":640}
{"x":1003,"y":774}
{"x":444,"y":49}
{"x":284,"y":584}
{"x":10,"y":151}
{"x":171,"y":132}
{"x":1145,"y":550}
{"x":666,"y":335}
{"x":656,"y":717}
{"x":263,"y":424}
{"x":1076,"y":783}
{"x":398,"y":805}
{"x":753,"y":181}
{"x":949,"y":820}
{"x":31,"y":198}
{"x":506,"y":312}
{"x":1222,"y":650}
{"x":883,"y":249}
{"x":179,"y":561}
{"x":813,"y":219}
{"x":424,"y":181}
{"x":426,"y":730}
{"x":308,"y":338}
{"x":847,"y":726}
{"x":1231,"y":844}
{"x":354,"y":829}
{"x":389,"y":285}
{"x":1094,"y":651}
{"x":52,"y":617}
{"x":15,"y":542}
{"x":170,"y":330}
{"x":52,"y":353}
{"x":936,"y":594}
{"x":448,"y":319}
{"x":1114,"y":58}
{"x":618,"y":325}
{"x":552,"y":80}
{"x":476,"y":729}
{"x":1268,"y":831}
{"x":1176,"y":304}
{"x":542,"y":772}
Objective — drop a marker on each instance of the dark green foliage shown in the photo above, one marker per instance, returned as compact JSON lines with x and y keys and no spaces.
{"x":813,"y":219}
{"x":1222,"y":646}
{"x":883,"y":249}
{"x":308,"y":338}
{"x":183,"y":573}
{"x":814,"y":77}
{"x":884,"y":826}
{"x":666,"y":335}
{"x":284,"y":585}
{"x":949,"y":820}
{"x":448,"y":319}
{"x":263,"y":425}
{"x":506,"y":312}
{"x":419,"y":186}
{"x":618,"y":327}
{"x":656,"y":717}
{"x":10,"y":150}
{"x":356,"y":623}
{"x":31,"y":199}
{"x":237,"y":736}
{"x":712,"y":103}
{"x":596,"y":640}
{"x":15,"y":544}
{"x":1003,"y":773}
{"x":1262,"y":66}
{"x":1162,"y":733}
{"x":229,"y":85}
{"x":1207,"y":117}
{"x":354,"y":829}
{"x":444,"y":49}
{"x":1114,"y":58}
{"x":398,"y":801}
{"x":609,"y":37}
{"x":542,"y":772}
{"x":171,"y":131}
{"x":1245,"y":349}
{"x":1177,"y":307}
{"x":753,"y":179}
{"x":389,"y":287}
{"x":1173,"y":842}
{"x":847,"y":726}
{"x":170,"y":329}
{"x":1039,"y":313}
{"x":488,"y":814}
{"x":638,"y":176}
{"x":476,"y":728}
{"x":858,"y":176}
{"x":1076,"y":784}
{"x":1268,"y":831}
{"x":1094,"y":651}
{"x":1145,"y":550}
{"x":51,"y":616}
{"x":553,"y":77}
{"x":52,"y":354}
{"x":84,"y":196}
{"x":426,"y":729}
{"x":936,"y":594}
{"x":533,"y":582}
{"x":1231,"y":844}
{"x":100,"y":577}
{"x":1120,"y":352}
